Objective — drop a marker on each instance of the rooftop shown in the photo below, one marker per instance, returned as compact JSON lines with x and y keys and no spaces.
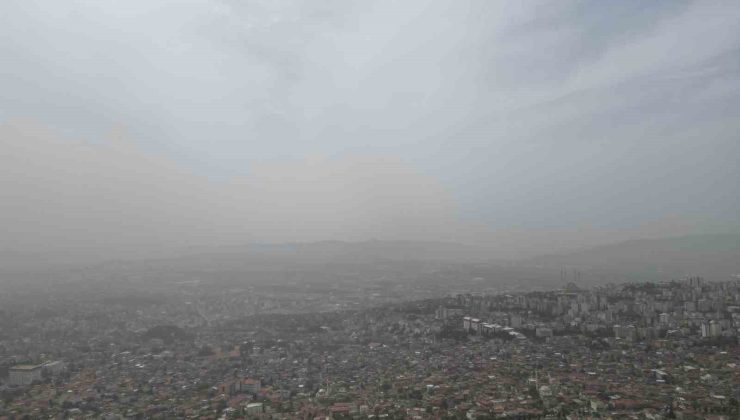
{"x":25,"y":367}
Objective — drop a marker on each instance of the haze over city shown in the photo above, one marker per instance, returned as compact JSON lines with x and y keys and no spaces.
{"x":141,"y":127}
{"x":369,"y":210}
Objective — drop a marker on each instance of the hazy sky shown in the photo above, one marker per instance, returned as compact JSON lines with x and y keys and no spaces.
{"x":530,"y":126}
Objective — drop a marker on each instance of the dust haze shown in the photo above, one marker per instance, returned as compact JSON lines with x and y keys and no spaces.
{"x":526,"y":128}
{"x":369,"y":209}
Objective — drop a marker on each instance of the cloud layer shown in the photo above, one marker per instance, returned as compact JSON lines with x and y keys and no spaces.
{"x":77,"y":197}
{"x":525,"y":125}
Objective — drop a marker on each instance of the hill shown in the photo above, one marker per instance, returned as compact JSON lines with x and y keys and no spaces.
{"x":365,"y":251}
{"x":716,"y":257}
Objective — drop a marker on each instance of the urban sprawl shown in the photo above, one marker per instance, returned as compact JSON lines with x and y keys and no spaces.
{"x":634,"y":351}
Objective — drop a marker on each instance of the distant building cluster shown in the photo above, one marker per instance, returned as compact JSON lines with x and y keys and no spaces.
{"x":630,"y":312}
{"x":646,"y":351}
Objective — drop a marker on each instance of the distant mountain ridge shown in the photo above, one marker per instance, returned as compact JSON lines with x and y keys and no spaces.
{"x":714,"y":256}
{"x":332,"y":251}
{"x":364,"y":251}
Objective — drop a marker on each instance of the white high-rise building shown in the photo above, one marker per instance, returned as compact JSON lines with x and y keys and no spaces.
{"x":23,"y":375}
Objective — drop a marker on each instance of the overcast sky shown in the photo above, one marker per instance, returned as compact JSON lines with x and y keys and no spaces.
{"x":528,"y":126}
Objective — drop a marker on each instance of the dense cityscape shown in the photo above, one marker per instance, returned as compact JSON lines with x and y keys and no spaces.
{"x":369,"y":210}
{"x":633,"y":350}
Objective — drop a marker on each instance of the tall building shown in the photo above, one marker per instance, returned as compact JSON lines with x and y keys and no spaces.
{"x":22,"y":375}
{"x":711,"y":329}
{"x":254,"y":409}
{"x":515,"y":321}
{"x":251,"y":386}
{"x":715,"y":329}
